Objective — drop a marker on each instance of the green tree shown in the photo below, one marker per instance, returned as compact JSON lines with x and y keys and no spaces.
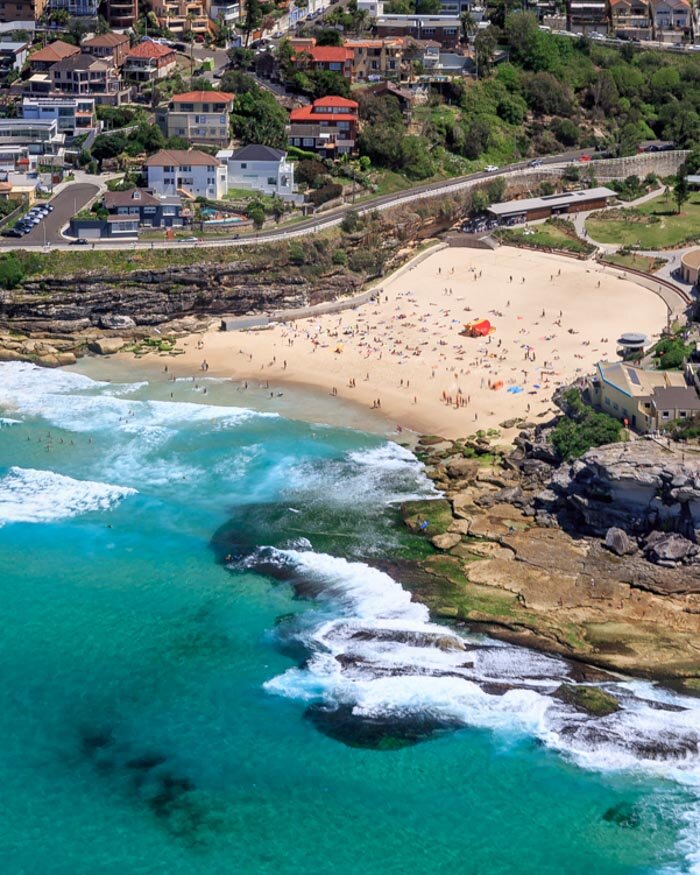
{"x":253,"y":16}
{"x":256,"y":213}
{"x":681,"y":192}
{"x":238,"y":82}
{"x":11,"y":271}
{"x":484,"y":52}
{"x":240,"y":58}
{"x":258,"y":118}
{"x":329,"y":37}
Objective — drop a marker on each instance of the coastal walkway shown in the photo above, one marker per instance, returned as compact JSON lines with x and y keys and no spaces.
{"x":243,"y":323}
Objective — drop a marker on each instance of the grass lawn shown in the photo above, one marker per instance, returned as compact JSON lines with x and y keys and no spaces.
{"x":654,"y":225}
{"x":645,"y":263}
{"x":549,"y":235}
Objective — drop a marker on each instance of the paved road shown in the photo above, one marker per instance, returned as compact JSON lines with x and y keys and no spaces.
{"x":312,"y":225}
{"x":65,"y":204}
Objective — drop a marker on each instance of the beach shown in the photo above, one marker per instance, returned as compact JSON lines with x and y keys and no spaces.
{"x":552,"y":318}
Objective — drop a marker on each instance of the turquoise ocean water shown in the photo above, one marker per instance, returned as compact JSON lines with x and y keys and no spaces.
{"x":202,"y":671}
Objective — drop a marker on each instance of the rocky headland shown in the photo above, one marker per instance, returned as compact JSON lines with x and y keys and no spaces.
{"x":597,"y":559}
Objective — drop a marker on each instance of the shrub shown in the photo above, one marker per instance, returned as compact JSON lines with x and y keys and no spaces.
{"x":11,"y":271}
{"x":582,"y":429}
{"x":340,"y":257}
{"x":327,"y":192}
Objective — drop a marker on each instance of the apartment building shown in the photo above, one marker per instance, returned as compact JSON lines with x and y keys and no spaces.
{"x":672,"y":20}
{"x":199,"y":116}
{"x":444,"y":29}
{"x":149,"y":61}
{"x":587,"y":16}
{"x":375,"y":59}
{"x":182,"y":16}
{"x":78,"y":8}
{"x":188,"y":172}
{"x":328,"y":126}
{"x":112,"y":47}
{"x":87,"y":76}
{"x":42,"y":60}
{"x":73,"y":115}
{"x":121,"y":14}
{"x":38,"y":137}
{"x":21,"y":10}
{"x":631,"y":18}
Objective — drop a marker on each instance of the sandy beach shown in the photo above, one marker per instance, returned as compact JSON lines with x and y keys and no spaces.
{"x":553,"y":318}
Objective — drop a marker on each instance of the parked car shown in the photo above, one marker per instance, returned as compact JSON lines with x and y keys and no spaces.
{"x":536,"y":162}
{"x":80,"y":241}
{"x":188,"y":240}
{"x":598,"y":36}
{"x":13,"y":232}
{"x":585,"y":158}
{"x":491,"y":168}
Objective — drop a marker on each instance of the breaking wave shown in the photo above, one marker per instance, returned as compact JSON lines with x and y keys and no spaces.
{"x":28,"y":495}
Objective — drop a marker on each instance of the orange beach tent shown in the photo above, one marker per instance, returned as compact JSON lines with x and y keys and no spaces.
{"x":480,"y":328}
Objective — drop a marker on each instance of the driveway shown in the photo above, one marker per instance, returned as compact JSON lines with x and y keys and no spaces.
{"x":65,"y":205}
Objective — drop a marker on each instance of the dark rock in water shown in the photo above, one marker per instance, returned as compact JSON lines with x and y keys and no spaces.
{"x":391,"y":732}
{"x":146,"y":762}
{"x":618,"y":541}
{"x":590,"y":700}
{"x":623,"y":814}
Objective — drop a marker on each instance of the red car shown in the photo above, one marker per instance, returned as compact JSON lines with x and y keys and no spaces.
{"x":585,"y":158}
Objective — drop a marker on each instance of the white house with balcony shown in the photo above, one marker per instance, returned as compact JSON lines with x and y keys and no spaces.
{"x":260,"y":168}
{"x":187,"y":172}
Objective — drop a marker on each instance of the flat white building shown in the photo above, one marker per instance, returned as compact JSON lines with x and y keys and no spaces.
{"x":260,"y":168}
{"x":74,"y":115}
{"x":186,"y":171}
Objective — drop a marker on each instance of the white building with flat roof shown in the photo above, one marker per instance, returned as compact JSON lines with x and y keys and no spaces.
{"x":260,"y":168}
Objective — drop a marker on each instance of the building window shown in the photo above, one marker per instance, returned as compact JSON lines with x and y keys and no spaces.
{"x":271,"y":180}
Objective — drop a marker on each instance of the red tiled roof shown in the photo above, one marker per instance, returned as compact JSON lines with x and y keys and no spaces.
{"x":334,"y":100}
{"x":203,"y":97}
{"x":148,"y":49}
{"x":307,"y":114}
{"x":330,"y":54}
{"x":55,"y":51}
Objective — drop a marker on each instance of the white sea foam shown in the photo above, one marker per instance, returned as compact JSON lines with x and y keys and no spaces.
{"x":95,"y":405}
{"x":28,"y":495}
{"x":374,"y":649}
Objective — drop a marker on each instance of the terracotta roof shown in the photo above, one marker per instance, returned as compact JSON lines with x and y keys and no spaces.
{"x":333,"y":100}
{"x":178,"y":157}
{"x":149,"y":49}
{"x":106,"y":40}
{"x":308,"y":114}
{"x":203,"y":97}
{"x":330,"y":54}
{"x":55,"y":52}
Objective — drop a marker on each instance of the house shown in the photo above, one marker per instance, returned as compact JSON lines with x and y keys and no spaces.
{"x":647,"y":400}
{"x":336,"y":59}
{"x":533,"y":208}
{"x":42,"y":60}
{"x":375,"y":59}
{"x":87,"y":76}
{"x":39,"y":137}
{"x":74,"y":115}
{"x":260,"y":168}
{"x":587,"y":16}
{"x":20,"y":11}
{"x":129,"y":211}
{"x":149,"y":61}
{"x":182,"y":16}
{"x":631,"y":18}
{"x":221,"y":11}
{"x":111,"y":47}
{"x":121,"y":14}
{"x":187,"y":171}
{"x":444,"y":29}
{"x":199,"y":116}
{"x":329,"y":126}
{"x":12,"y":57}
{"x":672,"y":20}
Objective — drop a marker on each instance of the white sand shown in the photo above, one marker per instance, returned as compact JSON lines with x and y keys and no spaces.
{"x":406,"y":351}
